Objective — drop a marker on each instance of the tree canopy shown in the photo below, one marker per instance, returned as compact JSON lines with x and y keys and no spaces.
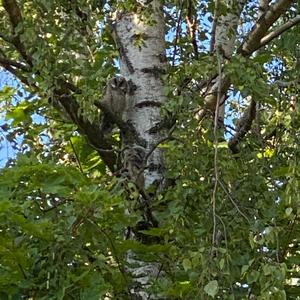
{"x":223,"y":220}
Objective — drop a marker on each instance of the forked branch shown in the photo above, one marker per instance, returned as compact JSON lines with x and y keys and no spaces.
{"x":279,"y":30}
{"x":263,"y":24}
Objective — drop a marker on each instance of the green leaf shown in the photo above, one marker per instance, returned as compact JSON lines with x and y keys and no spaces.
{"x":222,"y":263}
{"x":187,"y":264}
{"x":212,"y":288}
{"x":288,"y":211}
{"x":6,"y":93}
{"x":18,"y":115}
{"x":253,"y":276}
{"x":282,"y":171}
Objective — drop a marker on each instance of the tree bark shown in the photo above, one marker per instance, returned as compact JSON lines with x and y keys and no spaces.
{"x":142,"y":63}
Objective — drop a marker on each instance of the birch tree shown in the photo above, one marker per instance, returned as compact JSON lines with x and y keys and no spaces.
{"x":156,"y":149}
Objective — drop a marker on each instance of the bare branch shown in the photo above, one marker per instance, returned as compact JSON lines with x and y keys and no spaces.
{"x":8,"y":62}
{"x":263,"y":24}
{"x":214,"y":27}
{"x":224,"y":35}
{"x":252,"y":43}
{"x":178,"y":29}
{"x":284,"y":84}
{"x":279,"y":30}
{"x":191,"y":19}
{"x":17,"y":74}
{"x":243,"y":126}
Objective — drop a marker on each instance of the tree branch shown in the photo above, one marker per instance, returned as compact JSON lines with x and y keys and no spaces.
{"x":243,"y":126}
{"x":15,"y":18}
{"x":8,"y":62}
{"x":256,"y":39}
{"x":263,"y":7}
{"x":267,"y":19}
{"x":64,"y":97}
{"x":253,"y":41}
{"x":223,"y":40}
{"x":64,"y":93}
{"x":17,"y":74}
{"x":178,"y":29}
{"x":191,"y":20}
{"x":13,"y":11}
{"x":92,"y":131}
{"x":284,"y":84}
{"x":214,"y":27}
{"x":279,"y":30}
{"x":225,"y":35}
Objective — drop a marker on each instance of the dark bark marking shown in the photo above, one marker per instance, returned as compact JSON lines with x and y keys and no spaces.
{"x":155,"y":71}
{"x":148,"y":103}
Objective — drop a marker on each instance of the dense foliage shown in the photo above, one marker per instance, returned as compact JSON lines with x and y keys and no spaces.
{"x":229,"y":220}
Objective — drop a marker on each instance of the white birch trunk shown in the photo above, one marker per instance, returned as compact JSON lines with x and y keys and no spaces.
{"x":143,"y":61}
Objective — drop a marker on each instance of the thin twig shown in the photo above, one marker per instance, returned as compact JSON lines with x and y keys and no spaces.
{"x":233,"y":201}
{"x":178,"y":29}
{"x":216,"y":172}
{"x":168,"y":137}
{"x":214,"y":27}
{"x":76,"y":156}
{"x":285,"y":249}
{"x":191,"y":20}
{"x":224,"y":228}
{"x":22,"y":270}
{"x":114,"y":251}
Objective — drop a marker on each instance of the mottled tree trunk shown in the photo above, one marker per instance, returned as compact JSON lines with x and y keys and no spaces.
{"x":142,"y":61}
{"x":141,"y":43}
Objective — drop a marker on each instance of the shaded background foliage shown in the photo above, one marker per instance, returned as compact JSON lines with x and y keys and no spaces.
{"x":63,"y":214}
